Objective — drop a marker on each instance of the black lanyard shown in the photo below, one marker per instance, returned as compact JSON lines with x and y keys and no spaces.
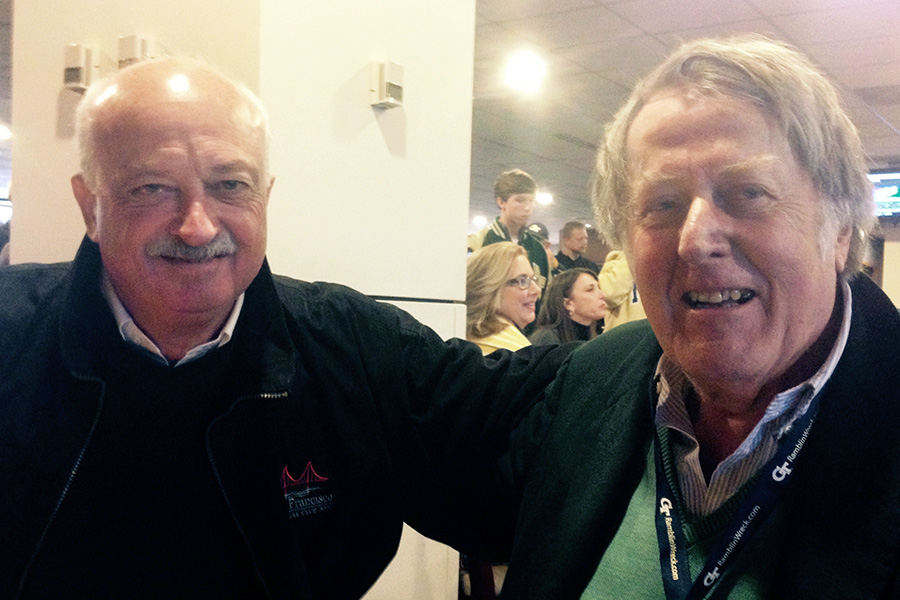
{"x":752,"y":512}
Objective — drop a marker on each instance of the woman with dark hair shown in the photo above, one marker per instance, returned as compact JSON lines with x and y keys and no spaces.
{"x":572,"y":306}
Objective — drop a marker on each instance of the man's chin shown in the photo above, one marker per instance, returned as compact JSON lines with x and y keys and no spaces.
{"x":190,"y":299}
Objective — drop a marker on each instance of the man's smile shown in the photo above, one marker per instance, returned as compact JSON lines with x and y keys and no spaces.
{"x":718,"y":298}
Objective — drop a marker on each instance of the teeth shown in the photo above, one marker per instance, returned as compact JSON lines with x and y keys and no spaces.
{"x":719,"y":297}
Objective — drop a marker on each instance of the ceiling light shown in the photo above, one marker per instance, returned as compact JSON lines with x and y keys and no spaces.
{"x":5,"y":133}
{"x":479,"y":221}
{"x":524,"y":72}
{"x":544,"y":198}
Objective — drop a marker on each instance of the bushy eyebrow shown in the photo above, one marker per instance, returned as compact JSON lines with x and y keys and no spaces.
{"x":127,"y":174}
{"x":644,"y":178}
{"x":232,"y":166}
{"x":752,"y":164}
{"x":237,"y":166}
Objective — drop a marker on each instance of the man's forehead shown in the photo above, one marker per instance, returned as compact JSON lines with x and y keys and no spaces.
{"x":660,"y":143}
{"x":146,"y":144}
{"x":663,"y":118}
{"x":162,"y":118}
{"x":662,"y":171}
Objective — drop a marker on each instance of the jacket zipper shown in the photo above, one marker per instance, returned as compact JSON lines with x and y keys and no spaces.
{"x":65,"y":489}
{"x":215,"y":469}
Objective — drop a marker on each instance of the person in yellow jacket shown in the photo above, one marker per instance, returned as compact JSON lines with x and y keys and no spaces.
{"x":501,"y":293}
{"x":617,"y":284}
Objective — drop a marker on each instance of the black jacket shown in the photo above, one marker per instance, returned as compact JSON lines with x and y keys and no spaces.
{"x":397,"y":425}
{"x":580,"y":455}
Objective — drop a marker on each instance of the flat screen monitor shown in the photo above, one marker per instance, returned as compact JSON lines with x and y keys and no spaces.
{"x":886,"y":186}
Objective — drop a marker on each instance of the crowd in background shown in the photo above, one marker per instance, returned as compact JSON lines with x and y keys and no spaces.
{"x":519,"y":293}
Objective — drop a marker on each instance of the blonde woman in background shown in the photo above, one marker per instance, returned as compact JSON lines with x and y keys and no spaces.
{"x":501,"y":292}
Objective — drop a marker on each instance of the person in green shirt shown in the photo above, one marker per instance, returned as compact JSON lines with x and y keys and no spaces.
{"x":514,"y":193}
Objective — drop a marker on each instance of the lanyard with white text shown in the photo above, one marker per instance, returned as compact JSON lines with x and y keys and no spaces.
{"x":751,"y":513}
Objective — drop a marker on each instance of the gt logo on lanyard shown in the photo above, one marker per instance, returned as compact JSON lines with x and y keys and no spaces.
{"x":753,"y":510}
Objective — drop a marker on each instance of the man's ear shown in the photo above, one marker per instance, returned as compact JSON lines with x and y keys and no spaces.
{"x":500,"y":201}
{"x":87,"y":202}
{"x":842,"y":247}
{"x":269,"y":189}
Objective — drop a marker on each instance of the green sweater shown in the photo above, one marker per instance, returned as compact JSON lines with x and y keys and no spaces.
{"x":579,"y":463}
{"x":630,"y":567}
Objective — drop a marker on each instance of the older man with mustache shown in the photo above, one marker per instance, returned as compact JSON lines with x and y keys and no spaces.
{"x":177,"y":422}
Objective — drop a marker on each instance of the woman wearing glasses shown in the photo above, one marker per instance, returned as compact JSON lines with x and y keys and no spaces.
{"x":501,"y":292}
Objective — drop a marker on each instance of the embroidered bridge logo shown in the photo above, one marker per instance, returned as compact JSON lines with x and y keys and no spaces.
{"x":308,"y":494}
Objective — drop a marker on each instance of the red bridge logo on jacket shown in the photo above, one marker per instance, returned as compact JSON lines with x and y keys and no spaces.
{"x":308,"y":494}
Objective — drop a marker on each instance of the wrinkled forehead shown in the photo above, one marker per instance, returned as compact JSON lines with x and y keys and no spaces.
{"x":160,"y":110}
{"x":162,"y":118}
{"x":152,"y":137}
{"x":139,"y":131}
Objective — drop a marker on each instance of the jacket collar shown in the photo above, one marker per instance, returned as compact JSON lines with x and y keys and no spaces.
{"x":261,"y":337}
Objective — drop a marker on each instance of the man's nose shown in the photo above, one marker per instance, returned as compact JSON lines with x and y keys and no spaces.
{"x":705,"y":231}
{"x":196,"y":227}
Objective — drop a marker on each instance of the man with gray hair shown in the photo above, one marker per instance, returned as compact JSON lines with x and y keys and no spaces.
{"x":177,"y":422}
{"x":744,"y":441}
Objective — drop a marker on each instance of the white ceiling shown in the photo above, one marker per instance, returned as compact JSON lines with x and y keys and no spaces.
{"x":596,"y":49}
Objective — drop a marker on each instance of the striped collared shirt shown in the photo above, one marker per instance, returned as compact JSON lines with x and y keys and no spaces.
{"x":701,"y":499}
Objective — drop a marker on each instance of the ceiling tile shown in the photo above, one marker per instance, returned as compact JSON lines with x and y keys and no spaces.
{"x":590,"y":93}
{"x":492,"y":41}
{"x":883,"y":151}
{"x":864,"y":21}
{"x":866,"y":76}
{"x":788,"y":7}
{"x":641,"y":52}
{"x":656,"y":16}
{"x":853,"y":53}
{"x":889,"y":114}
{"x":675,"y":38}
{"x":508,"y":10}
{"x":882,"y":95}
{"x":574,"y":28}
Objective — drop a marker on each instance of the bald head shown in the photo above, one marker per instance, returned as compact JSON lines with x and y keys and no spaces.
{"x":153,"y":87}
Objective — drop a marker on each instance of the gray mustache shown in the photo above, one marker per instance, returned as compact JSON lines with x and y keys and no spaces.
{"x":221,"y":245}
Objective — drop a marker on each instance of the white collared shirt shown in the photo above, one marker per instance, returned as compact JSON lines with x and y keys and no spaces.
{"x":131,"y":333}
{"x":759,"y":446}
